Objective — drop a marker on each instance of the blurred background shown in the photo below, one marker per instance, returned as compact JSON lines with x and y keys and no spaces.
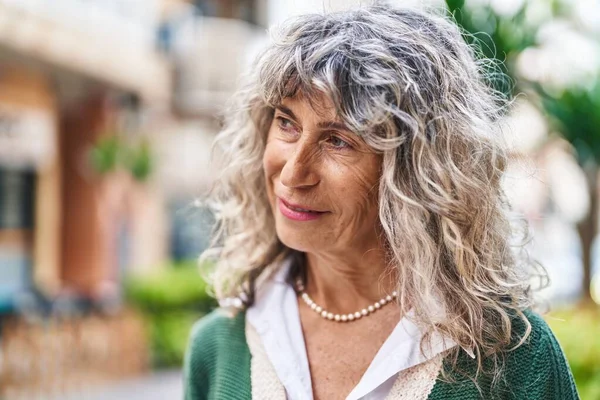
{"x":107,"y":112}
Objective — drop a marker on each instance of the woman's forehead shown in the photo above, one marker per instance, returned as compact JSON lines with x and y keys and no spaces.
{"x":318,"y":105}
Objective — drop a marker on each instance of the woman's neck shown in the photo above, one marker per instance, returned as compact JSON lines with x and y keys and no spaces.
{"x":348,"y":282}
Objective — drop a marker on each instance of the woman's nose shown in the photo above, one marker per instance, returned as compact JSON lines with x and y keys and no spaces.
{"x":299,"y":170}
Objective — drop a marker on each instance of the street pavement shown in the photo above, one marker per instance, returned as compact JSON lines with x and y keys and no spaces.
{"x":165,"y":385}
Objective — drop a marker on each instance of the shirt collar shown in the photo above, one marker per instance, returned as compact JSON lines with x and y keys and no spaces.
{"x":281,"y":275}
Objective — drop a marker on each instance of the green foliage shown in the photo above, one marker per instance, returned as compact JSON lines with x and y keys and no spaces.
{"x":175,"y":287}
{"x":139,"y":161}
{"x":578,"y":331}
{"x":110,"y":153}
{"x":575,"y":112}
{"x":104,"y":155}
{"x":171,"y":302}
{"x":498,"y":39}
{"x":169,"y":335}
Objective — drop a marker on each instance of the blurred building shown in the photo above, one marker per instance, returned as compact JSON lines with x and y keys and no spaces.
{"x":68,"y":71}
{"x":210,"y":43}
{"x":71,"y":74}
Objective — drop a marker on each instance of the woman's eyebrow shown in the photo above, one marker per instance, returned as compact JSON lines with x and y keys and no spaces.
{"x":287,"y":111}
{"x":334,"y":125}
{"x":340,"y":126}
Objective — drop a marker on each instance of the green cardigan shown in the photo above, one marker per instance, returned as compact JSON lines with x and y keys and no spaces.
{"x":217,"y":365}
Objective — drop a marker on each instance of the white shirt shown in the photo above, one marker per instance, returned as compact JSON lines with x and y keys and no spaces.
{"x":275,"y":317}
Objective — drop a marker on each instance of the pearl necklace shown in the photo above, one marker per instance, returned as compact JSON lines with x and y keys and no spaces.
{"x":343,"y":317}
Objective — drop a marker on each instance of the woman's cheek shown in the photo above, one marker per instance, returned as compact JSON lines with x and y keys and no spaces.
{"x":268,"y":161}
{"x":273,"y":159}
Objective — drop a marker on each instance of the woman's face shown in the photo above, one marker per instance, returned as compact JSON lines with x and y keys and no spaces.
{"x":322,"y":180}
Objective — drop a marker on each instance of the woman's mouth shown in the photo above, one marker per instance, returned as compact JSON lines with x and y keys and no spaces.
{"x":297,"y":212}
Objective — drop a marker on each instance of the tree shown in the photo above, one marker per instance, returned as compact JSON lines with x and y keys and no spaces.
{"x":575,"y":112}
{"x":498,"y":38}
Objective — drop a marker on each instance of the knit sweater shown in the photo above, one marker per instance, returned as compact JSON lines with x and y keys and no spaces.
{"x":218,"y":366}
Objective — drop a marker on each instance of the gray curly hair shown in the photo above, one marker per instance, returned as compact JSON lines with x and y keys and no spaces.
{"x":409,"y":85}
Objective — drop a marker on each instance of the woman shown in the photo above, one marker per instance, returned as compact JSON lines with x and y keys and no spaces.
{"x":363,"y":240}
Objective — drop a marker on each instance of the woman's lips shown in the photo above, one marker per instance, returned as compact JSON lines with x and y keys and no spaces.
{"x":297,"y":213}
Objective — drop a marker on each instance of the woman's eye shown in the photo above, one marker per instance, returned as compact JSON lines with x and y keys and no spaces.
{"x":338,"y":142}
{"x":285,"y":124}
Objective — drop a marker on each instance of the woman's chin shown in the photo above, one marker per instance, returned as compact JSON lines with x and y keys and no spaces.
{"x":299,"y":241}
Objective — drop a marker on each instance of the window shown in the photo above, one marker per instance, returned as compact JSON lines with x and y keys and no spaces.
{"x":17,"y":210}
{"x":237,"y":9}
